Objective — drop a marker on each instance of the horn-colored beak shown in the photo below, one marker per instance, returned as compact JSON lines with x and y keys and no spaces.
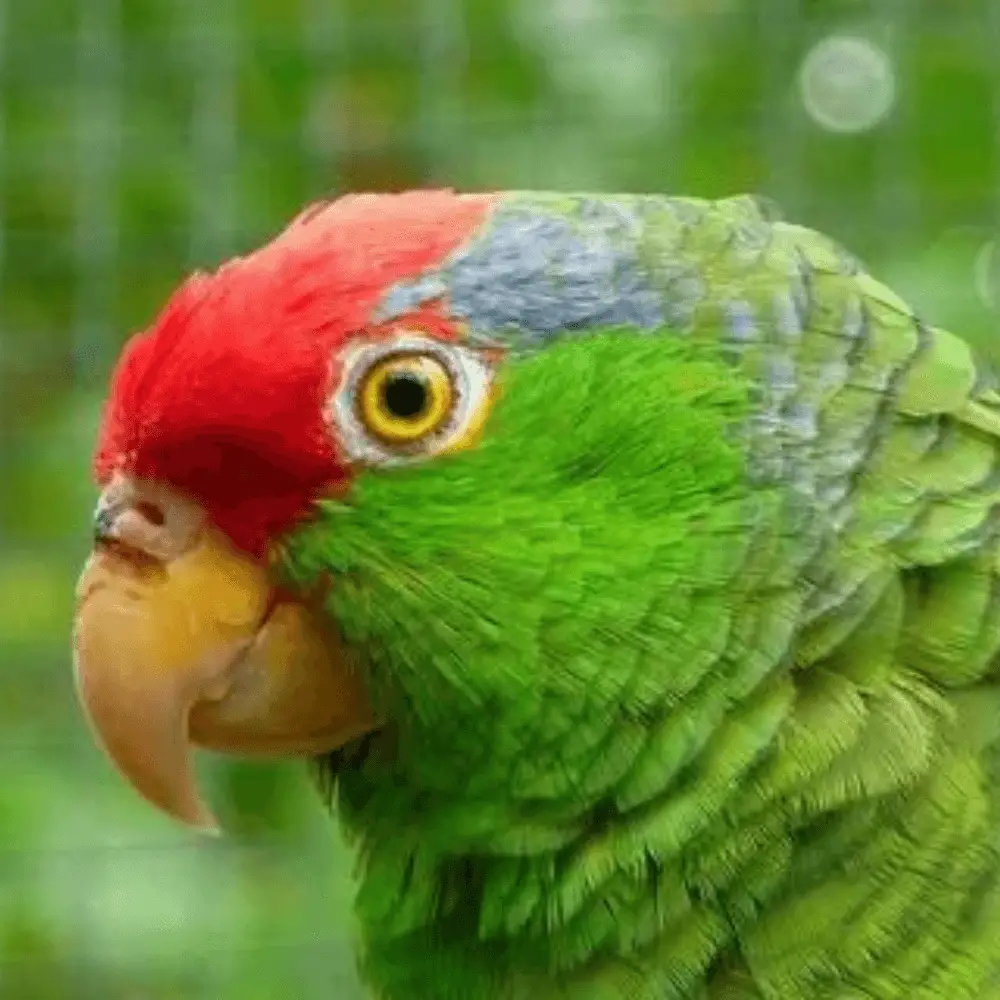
{"x":181,"y":642}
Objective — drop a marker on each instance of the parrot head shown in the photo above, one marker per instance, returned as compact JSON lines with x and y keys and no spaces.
{"x":337,"y":508}
{"x":258,"y":390}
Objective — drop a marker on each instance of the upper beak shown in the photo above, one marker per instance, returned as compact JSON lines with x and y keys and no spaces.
{"x":180,"y":640}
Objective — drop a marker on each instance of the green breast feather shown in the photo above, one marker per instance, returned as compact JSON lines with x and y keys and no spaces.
{"x":694,"y":658}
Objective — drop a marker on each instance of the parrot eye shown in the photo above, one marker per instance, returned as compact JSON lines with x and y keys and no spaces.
{"x":410,"y":397}
{"x":404,"y":398}
{"x":405,"y":394}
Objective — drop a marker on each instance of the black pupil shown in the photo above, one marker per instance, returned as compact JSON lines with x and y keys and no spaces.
{"x":405,"y":394}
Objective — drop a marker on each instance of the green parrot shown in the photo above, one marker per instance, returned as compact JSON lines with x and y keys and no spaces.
{"x":627,"y":566}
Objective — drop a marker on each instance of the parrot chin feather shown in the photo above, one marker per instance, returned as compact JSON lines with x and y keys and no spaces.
{"x":180,"y":641}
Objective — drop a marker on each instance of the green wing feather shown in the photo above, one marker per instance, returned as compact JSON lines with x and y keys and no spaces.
{"x":890,"y":746}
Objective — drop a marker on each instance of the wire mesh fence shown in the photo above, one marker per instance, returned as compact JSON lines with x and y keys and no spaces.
{"x":142,"y":138}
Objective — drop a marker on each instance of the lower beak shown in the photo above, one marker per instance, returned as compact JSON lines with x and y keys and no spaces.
{"x":194,"y":651}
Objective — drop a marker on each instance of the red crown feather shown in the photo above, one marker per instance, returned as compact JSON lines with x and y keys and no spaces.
{"x":223,"y":396}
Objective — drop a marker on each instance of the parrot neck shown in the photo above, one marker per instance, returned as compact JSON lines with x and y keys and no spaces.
{"x":601,"y":917}
{"x":461,"y":926}
{"x":588,"y":917}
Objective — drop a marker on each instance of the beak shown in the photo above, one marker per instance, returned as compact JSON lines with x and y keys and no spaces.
{"x":180,"y":641}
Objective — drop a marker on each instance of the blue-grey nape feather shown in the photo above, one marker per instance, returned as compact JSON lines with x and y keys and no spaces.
{"x":534,"y":273}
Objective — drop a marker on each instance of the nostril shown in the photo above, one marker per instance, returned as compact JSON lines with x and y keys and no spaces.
{"x":139,"y":526}
{"x":104,"y":521}
{"x":150,"y":512}
{"x":147,"y":517}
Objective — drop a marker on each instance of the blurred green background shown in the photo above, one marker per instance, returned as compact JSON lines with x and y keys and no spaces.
{"x":140,"y":138}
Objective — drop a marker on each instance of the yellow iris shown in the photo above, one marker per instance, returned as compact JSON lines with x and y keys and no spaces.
{"x":405,"y":397}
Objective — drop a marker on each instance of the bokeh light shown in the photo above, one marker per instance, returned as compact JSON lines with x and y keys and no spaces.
{"x":848,"y":84}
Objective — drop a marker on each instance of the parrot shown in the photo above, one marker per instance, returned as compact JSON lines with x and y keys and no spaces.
{"x":625,"y":568}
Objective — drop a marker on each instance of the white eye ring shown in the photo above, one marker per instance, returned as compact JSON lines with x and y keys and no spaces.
{"x":471,"y":374}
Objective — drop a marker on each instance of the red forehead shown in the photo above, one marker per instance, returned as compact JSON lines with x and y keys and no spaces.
{"x":223,"y":395}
